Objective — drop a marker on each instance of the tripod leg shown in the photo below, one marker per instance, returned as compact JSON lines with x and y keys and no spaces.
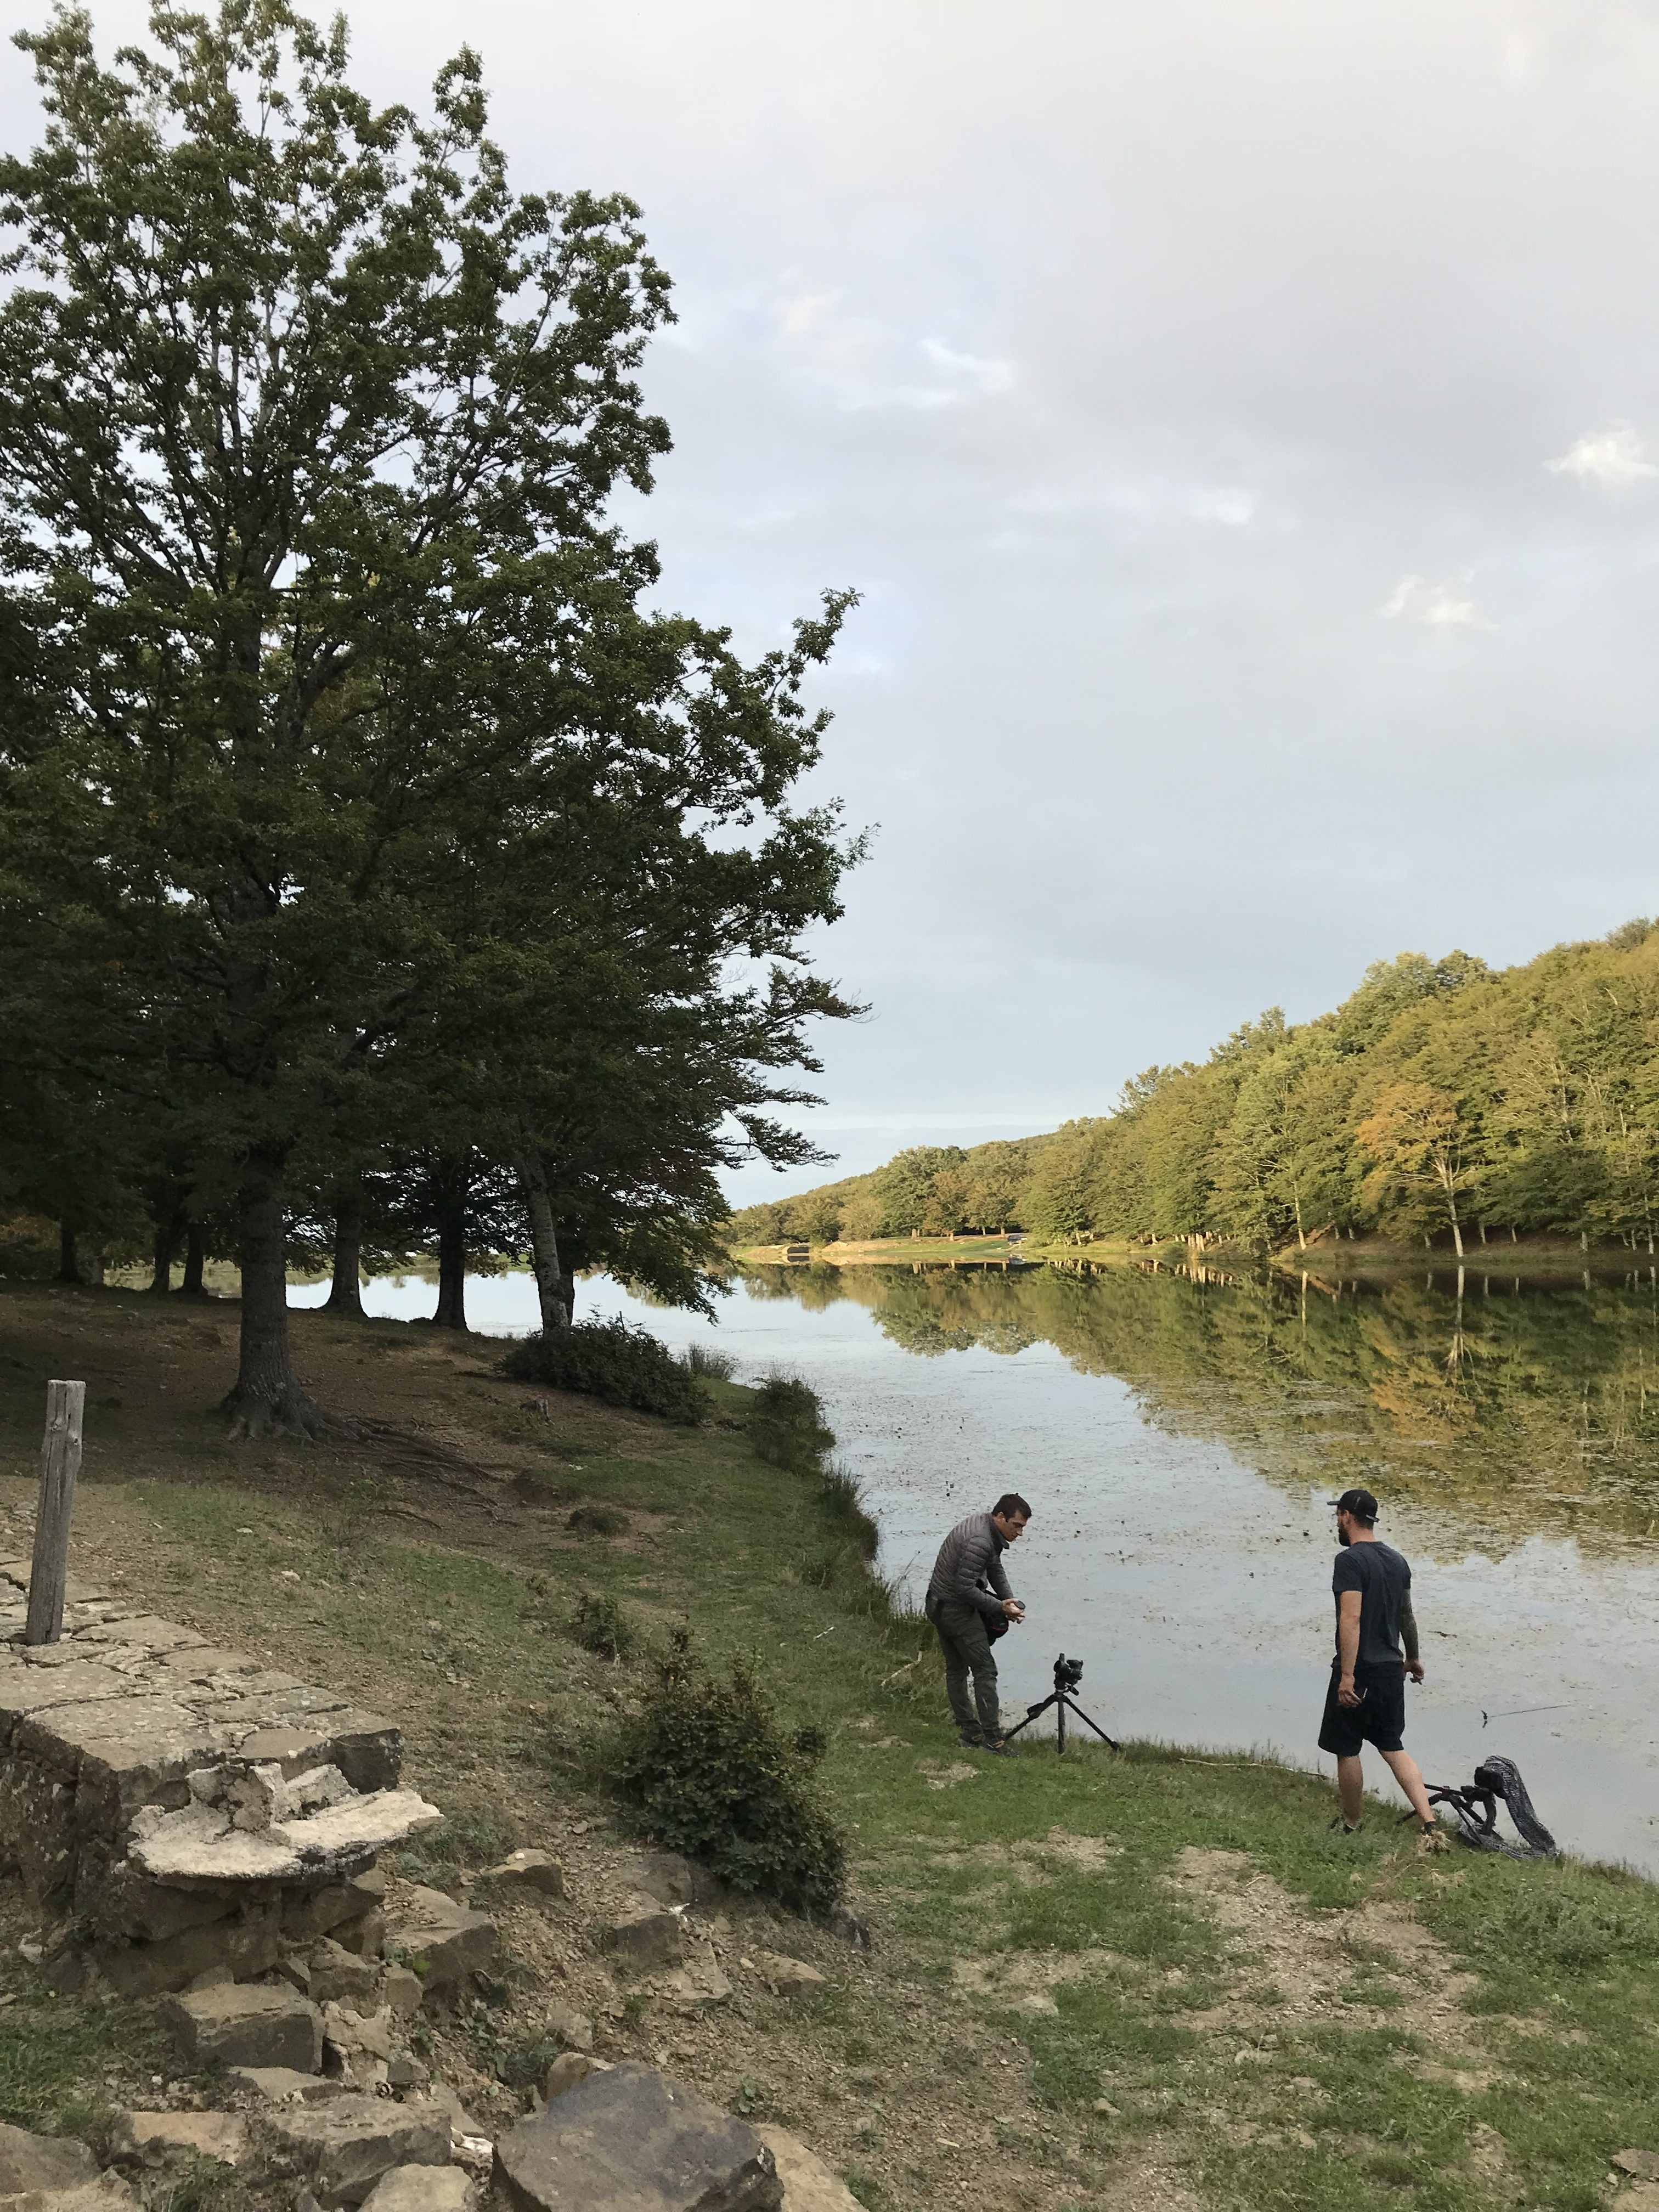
{"x":1032,"y":1713}
{"x":1110,"y":1742}
{"x":1060,"y":1725}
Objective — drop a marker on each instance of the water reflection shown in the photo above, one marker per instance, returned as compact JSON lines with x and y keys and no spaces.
{"x":1520,"y":1406}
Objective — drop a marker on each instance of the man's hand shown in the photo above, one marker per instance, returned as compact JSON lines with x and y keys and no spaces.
{"x":1346,"y":1692}
{"x":1013,"y":1608}
{"x":1414,"y":1669}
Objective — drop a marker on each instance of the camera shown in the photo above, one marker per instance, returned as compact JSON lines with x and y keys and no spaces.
{"x":1068,"y":1673}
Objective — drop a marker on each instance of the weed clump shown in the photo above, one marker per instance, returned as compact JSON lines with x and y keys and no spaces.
{"x":597,"y":1520}
{"x":707,"y":1359}
{"x":712,"y":1771}
{"x":787,"y":1426}
{"x":464,"y":1840}
{"x":599,"y":1625}
{"x":608,"y":1360}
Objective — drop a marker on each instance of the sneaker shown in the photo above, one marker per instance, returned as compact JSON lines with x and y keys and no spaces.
{"x":971,"y":1739}
{"x":1340,"y":1823}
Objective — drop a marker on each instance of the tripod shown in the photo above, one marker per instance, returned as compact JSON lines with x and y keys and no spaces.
{"x":1068,"y":1673}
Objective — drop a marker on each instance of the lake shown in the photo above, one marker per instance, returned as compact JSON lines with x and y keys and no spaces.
{"x":1179,"y":1434}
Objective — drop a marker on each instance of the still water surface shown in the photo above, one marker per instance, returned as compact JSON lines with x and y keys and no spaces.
{"x":1179,"y":1438}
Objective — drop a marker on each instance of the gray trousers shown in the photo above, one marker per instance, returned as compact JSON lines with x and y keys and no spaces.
{"x":967,"y":1648}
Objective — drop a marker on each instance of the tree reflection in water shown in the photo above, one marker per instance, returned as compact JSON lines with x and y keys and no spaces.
{"x":1532,"y":1405}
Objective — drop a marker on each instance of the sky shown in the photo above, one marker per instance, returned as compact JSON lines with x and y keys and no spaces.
{"x":1242,"y":424}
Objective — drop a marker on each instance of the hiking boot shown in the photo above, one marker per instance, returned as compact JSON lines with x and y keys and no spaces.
{"x":1340,"y":1823}
{"x":971,"y":1739}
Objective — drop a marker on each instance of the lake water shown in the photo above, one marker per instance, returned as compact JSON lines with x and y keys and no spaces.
{"x":1179,"y":1437}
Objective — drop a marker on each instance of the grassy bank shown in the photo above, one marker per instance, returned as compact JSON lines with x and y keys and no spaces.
{"x":1148,"y":1981}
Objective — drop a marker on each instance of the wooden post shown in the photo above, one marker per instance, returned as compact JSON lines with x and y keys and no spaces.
{"x":60,"y":1462}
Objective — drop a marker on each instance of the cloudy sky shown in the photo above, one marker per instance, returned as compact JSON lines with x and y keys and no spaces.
{"x":1243,"y":424}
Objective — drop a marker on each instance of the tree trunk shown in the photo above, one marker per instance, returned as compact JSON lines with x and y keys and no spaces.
{"x":454,"y":1187}
{"x":267,"y":1399}
{"x":166,"y":1243}
{"x":555,"y":1290}
{"x":69,"y":1264}
{"x":345,"y":1294}
{"x":192,"y":1286}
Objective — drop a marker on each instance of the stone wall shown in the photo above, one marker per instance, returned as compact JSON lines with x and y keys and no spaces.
{"x":176,"y":1807}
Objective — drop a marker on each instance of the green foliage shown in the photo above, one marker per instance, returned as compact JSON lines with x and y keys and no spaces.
{"x":442,"y":1855}
{"x":601,"y":1624}
{"x":609,"y":1359}
{"x":1441,"y":1098}
{"x":708,"y":1361}
{"x":787,"y":1426}
{"x":710,"y":1770}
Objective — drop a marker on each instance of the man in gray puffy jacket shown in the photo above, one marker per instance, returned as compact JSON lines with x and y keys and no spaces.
{"x":970,"y":1603}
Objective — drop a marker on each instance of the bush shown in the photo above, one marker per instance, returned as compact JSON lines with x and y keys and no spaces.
{"x":706,"y":1359}
{"x":787,"y":1425}
{"x":713,"y":1772}
{"x":610,"y":1361}
{"x":601,"y":1624}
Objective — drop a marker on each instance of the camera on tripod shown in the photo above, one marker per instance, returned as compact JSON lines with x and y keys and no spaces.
{"x":1068,"y":1673}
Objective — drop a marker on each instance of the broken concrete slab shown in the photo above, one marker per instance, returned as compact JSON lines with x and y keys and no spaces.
{"x":422,"y":2188}
{"x":629,"y":2140}
{"x":809,"y":2185}
{"x":247,"y":2025}
{"x":367,"y":1750}
{"x":31,"y":2162}
{"x":157,"y":2136}
{"x":146,"y":1628}
{"x":646,"y":1936}
{"x":526,"y":1877}
{"x":200,"y":1845}
{"x":342,"y":2148}
{"x":443,"y":1940}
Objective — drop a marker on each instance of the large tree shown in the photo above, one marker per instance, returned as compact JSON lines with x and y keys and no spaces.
{"x":308,"y":425}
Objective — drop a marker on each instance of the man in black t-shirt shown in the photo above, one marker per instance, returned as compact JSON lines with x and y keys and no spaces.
{"x":1366,"y":1700}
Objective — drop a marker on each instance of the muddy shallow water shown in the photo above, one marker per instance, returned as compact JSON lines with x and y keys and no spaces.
{"x":1179,"y":1438}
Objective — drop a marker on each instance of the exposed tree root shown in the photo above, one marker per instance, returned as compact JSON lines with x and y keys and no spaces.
{"x":255,"y":1414}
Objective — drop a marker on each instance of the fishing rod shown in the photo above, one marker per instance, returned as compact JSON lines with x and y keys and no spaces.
{"x":1520,"y":1710}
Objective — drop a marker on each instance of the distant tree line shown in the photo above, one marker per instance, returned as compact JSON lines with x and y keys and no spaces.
{"x":378,"y":872}
{"x":1442,"y":1101}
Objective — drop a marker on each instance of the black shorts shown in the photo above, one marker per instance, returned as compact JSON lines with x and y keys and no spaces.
{"x":1378,"y":1718}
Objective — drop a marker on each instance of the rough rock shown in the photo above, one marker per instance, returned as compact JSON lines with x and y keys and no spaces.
{"x":698,"y":1983}
{"x":29,"y":2161}
{"x":1643,"y":2164}
{"x":405,"y":2073}
{"x":648,"y":1936}
{"x":154,"y":2136}
{"x":808,"y":2184}
{"x":573,"y":2029}
{"x":248,"y":1944}
{"x":108,"y":2192}
{"x":422,"y":2188}
{"x":401,"y":1990}
{"x":789,"y":1978}
{"x":629,"y":2140}
{"x":352,"y":2031}
{"x":246,"y":2025}
{"x":443,"y":1940}
{"x":567,"y":2069}
{"x":305,"y":1918}
{"x":339,"y":1976}
{"x":527,"y":1876}
{"x":664,"y":1875}
{"x":284,"y":2085}
{"x":366,"y":1936}
{"x":342,"y":2148}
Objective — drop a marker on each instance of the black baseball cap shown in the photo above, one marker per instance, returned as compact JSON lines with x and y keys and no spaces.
{"x":1359,"y":1503}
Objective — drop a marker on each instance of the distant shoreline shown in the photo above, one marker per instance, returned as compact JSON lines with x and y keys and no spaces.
{"x":1533,"y":1256}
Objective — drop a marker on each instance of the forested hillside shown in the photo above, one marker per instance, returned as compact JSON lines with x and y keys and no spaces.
{"x":1442,"y":1100}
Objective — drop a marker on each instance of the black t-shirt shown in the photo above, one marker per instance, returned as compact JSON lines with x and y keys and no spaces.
{"x":1382,"y":1577}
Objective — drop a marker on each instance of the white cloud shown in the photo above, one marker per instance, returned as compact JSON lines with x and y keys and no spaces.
{"x":1435,"y":606}
{"x":988,"y":377}
{"x":1615,"y":457}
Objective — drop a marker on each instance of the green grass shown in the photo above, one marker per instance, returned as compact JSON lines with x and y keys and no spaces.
{"x":1130,"y":2026}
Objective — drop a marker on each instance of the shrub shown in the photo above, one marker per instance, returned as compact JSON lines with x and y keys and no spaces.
{"x":601,"y":1624}
{"x":787,"y":1425}
{"x":610,"y":1361}
{"x":706,"y":1359}
{"x":464,"y":1839}
{"x":598,"y":1521}
{"x":713,"y":1772}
